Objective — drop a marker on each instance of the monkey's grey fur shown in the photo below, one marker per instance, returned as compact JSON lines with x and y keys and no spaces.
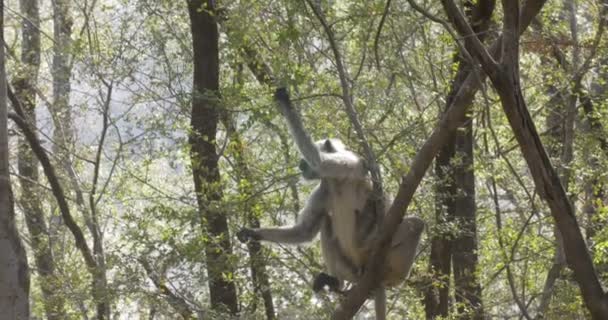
{"x":342,"y":209}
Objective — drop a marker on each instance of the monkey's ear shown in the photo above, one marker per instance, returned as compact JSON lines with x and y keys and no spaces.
{"x":328,"y":146}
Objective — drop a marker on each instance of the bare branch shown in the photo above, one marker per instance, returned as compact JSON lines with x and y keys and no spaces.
{"x":447,"y":27}
{"x":380,"y":25}
{"x":53,"y":181}
{"x":470,"y":38}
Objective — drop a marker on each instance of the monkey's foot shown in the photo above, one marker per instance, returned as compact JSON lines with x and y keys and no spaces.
{"x":323,"y":280}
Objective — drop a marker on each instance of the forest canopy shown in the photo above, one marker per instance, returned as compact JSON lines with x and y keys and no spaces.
{"x":138,"y":138}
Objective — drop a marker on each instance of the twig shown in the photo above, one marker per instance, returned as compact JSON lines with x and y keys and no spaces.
{"x":377,"y":38}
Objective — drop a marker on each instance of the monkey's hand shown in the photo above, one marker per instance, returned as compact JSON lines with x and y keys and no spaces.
{"x":245,"y":235}
{"x":323,"y":280}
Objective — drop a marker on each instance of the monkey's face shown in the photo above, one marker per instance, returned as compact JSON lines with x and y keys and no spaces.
{"x":324,"y":146}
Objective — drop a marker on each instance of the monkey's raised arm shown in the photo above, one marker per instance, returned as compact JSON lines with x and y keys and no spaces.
{"x":294,"y":122}
{"x":307,"y":227}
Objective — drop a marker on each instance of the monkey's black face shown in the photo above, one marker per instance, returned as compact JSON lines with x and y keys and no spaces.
{"x":307,"y":172}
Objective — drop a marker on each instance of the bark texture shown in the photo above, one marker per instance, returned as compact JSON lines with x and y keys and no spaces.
{"x":61,"y":73}
{"x":456,"y":201}
{"x":205,"y":117}
{"x":24,"y":84}
{"x":14,"y":273}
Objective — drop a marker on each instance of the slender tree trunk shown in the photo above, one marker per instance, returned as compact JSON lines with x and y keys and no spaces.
{"x":259,"y":275}
{"x":14,"y":273}
{"x":61,"y":73}
{"x":59,"y":109}
{"x":205,"y":116}
{"x":35,"y":220}
{"x":456,"y":195}
{"x":256,"y":254}
{"x":63,"y":136}
{"x":437,"y":293}
{"x":595,"y":190}
{"x":464,"y":247}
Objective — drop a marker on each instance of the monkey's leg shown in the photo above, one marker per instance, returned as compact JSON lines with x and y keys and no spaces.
{"x":380,"y":303}
{"x":401,"y":255}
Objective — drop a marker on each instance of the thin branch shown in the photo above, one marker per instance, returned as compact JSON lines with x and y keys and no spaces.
{"x":178,"y":303}
{"x":348,"y":100}
{"x":498,"y":217}
{"x":447,"y":27}
{"x":377,"y":38}
{"x":51,"y":176}
{"x":97,"y":162}
{"x":465,"y":31}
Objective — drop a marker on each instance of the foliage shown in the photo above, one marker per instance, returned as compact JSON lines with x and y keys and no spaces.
{"x":400,"y":78}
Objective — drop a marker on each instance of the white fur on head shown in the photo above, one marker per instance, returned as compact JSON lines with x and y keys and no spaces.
{"x":336,"y":144}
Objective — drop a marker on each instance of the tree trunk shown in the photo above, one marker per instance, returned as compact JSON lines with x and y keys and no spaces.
{"x":506,"y":81}
{"x":61,"y":73}
{"x":456,"y":195}
{"x":595,"y":190}
{"x":63,"y":136}
{"x":60,"y":109}
{"x":259,"y":274}
{"x":453,"y":118}
{"x":464,"y":247}
{"x":205,"y":116}
{"x":437,"y":294}
{"x":24,"y":84}
{"x":14,"y":273}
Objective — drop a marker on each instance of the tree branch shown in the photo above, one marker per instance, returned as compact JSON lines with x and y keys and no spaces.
{"x":447,"y":27}
{"x":470,"y":38}
{"x":347,"y":97}
{"x":387,"y":7}
{"x":51,"y":176}
{"x":178,"y":303}
{"x":448,"y":124}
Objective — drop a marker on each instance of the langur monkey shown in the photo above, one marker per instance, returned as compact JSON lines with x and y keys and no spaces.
{"x":342,"y":209}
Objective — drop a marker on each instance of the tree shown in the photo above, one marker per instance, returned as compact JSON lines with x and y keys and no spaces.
{"x":453,"y":118}
{"x":117,"y":119}
{"x":456,"y":196}
{"x":205,"y":117}
{"x":505,"y":78}
{"x":14,"y":273}
{"x":30,"y":199}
